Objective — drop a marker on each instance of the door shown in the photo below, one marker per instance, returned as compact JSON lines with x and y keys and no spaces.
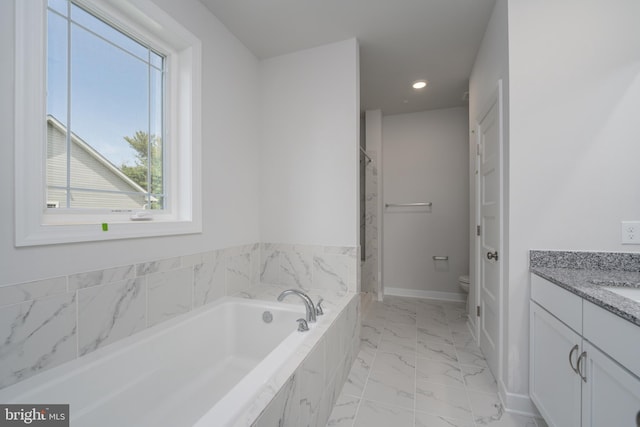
{"x":610,"y":394}
{"x":554,"y":384}
{"x":489,"y":134}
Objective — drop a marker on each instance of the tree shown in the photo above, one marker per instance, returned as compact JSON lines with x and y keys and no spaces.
{"x":143,"y":147}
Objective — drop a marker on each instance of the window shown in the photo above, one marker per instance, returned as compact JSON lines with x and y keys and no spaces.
{"x":104,"y":114}
{"x":113,"y":88}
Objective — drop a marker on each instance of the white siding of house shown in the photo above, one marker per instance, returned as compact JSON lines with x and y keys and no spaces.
{"x":86,"y":172}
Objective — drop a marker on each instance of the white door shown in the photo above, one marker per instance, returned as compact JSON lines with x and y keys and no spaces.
{"x":489,"y":133}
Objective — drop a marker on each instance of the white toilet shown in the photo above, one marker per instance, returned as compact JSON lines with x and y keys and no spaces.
{"x":463,"y":281}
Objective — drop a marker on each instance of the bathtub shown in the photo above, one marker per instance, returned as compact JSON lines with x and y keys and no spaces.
{"x":205,"y":368}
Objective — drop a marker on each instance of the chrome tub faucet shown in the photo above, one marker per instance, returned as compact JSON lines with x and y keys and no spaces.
{"x":308,"y":304}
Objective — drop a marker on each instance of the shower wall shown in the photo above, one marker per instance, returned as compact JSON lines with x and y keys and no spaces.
{"x":370,"y":266}
{"x":372,"y":174}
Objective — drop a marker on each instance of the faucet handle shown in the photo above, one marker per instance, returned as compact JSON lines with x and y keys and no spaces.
{"x":319,"y":310}
{"x":303,"y":326}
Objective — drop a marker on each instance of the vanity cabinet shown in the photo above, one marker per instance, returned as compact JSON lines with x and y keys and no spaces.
{"x":610,"y":394}
{"x":573,"y":380}
{"x":554,"y":385}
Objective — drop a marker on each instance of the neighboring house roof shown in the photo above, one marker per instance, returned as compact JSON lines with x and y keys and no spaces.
{"x":95,"y":154}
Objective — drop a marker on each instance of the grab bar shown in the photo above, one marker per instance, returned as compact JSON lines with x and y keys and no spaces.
{"x":440,"y":258}
{"x":388,"y":205}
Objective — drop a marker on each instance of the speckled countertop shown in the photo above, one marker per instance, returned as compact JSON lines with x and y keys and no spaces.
{"x":586,"y":273}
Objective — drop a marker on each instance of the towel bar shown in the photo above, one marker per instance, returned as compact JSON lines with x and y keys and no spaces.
{"x":427,"y":204}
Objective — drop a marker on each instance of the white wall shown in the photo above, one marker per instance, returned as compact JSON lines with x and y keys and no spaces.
{"x":309,"y":132}
{"x":229,"y":158}
{"x":425,"y":159}
{"x":574,"y":69}
{"x":491,"y":65}
{"x":280,"y":142}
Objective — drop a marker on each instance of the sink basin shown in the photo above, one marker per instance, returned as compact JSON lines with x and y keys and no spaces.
{"x":631,"y":293}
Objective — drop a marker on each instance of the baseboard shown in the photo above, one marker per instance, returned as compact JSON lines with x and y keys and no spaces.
{"x":517,"y":403}
{"x":416,"y":293}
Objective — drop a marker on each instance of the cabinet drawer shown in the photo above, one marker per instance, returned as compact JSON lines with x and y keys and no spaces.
{"x":614,"y":335}
{"x":558,"y":301}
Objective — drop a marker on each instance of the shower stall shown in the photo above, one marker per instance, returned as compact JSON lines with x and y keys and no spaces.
{"x":370,"y":224}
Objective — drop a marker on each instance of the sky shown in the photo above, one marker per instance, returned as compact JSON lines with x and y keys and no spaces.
{"x":109,"y":86}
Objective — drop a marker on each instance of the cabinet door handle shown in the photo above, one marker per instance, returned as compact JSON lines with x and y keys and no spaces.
{"x":579,"y":365}
{"x":575,"y":348}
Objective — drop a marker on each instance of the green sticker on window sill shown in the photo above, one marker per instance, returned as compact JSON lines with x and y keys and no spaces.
{"x":105,"y":226}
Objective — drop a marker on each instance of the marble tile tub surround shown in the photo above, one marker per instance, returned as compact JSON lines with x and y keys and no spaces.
{"x":305,"y":390}
{"x":48,"y":322}
{"x":586,"y":273}
{"x":308,"y":266}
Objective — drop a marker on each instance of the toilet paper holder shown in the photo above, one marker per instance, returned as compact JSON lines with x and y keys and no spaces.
{"x":440,"y":258}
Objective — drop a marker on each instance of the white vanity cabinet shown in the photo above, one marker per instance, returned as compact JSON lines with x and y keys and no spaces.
{"x":554,"y":385}
{"x":610,"y":395}
{"x":572,"y":382}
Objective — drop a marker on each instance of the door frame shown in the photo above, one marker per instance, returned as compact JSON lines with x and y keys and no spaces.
{"x":496,"y":98}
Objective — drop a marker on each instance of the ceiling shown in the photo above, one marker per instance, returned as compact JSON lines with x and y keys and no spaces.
{"x":400,"y":41}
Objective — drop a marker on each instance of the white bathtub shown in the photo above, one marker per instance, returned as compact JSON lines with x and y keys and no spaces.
{"x":203,"y":368}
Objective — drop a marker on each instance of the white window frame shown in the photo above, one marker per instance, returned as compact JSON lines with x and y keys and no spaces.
{"x":37,"y":225}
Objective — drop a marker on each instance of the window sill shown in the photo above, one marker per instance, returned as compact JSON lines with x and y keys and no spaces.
{"x":75,"y":233}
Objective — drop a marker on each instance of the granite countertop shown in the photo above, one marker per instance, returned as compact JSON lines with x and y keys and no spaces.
{"x":589,"y":284}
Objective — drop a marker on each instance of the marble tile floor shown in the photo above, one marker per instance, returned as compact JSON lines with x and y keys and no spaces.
{"x":419,"y":366}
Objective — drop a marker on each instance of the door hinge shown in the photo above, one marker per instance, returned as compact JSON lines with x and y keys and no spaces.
{"x":477,"y":230}
{"x":478,"y":149}
{"x":478,"y":311}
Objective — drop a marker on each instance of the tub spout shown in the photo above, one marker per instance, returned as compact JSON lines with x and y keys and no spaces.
{"x":308,"y":304}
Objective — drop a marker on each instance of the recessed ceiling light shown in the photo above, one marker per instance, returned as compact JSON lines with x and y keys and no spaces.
{"x":420,"y":84}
